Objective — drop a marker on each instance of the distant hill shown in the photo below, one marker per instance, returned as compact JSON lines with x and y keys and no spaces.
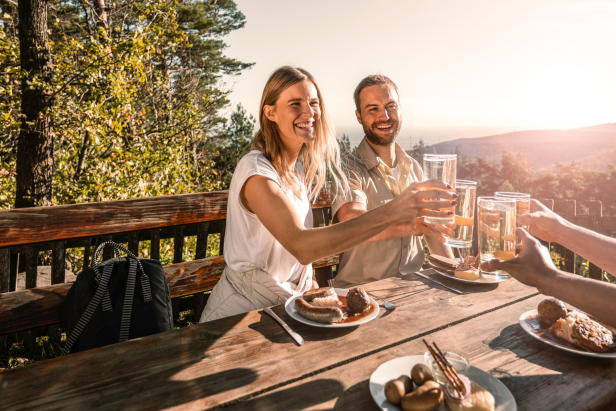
{"x":593,"y":147}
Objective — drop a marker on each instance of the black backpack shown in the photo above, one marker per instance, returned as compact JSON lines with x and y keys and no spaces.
{"x":107,"y":304}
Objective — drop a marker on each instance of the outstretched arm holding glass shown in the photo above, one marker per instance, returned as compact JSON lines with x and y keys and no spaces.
{"x":534,"y":267}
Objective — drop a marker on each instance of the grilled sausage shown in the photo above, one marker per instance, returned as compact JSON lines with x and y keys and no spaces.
{"x":319,"y":293}
{"x":326,"y":315}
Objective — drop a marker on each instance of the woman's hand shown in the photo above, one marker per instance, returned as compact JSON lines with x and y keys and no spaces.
{"x":543,"y":222}
{"x":418,"y":200}
{"x":437,"y":231}
{"x":533,"y":266}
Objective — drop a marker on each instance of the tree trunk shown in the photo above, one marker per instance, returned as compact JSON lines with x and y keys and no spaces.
{"x":35,"y":145}
{"x":101,"y":10}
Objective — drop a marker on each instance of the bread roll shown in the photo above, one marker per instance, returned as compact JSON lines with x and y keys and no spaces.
{"x":479,"y":400}
{"x":469,"y":274}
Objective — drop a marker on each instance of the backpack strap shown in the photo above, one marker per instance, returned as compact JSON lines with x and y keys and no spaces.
{"x":145,"y":281}
{"x":128,"y":300}
{"x":87,"y":314}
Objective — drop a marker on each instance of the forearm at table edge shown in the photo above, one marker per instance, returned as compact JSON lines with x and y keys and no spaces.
{"x":594,"y":247}
{"x":597,"y":298}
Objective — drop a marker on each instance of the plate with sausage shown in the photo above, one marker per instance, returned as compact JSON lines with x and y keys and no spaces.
{"x":330,"y":307}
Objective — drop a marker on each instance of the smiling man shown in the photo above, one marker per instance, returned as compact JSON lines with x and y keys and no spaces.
{"x":378,"y":170}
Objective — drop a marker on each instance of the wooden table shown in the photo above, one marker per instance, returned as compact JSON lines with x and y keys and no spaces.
{"x":249,"y":362}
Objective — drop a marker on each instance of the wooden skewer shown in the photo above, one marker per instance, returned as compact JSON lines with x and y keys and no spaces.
{"x":453,"y":370}
{"x":438,"y":359}
{"x":455,"y":378}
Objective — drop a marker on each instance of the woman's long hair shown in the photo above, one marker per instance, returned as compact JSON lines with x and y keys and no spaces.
{"x":317,"y":157}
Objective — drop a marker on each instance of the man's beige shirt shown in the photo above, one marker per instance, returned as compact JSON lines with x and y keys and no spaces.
{"x":372,"y":184}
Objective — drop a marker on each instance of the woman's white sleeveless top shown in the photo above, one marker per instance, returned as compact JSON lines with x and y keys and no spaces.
{"x":248,"y":244}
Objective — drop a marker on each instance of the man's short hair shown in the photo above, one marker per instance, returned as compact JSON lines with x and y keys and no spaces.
{"x":372,"y":80}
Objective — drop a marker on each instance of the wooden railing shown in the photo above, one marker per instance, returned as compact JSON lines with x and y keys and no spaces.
{"x":594,"y":220}
{"x":26,"y":232}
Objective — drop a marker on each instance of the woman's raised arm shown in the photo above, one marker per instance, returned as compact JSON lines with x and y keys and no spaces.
{"x":265,"y":198}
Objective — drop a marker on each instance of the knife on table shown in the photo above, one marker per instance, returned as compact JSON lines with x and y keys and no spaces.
{"x":296,"y":337}
{"x":455,"y":290}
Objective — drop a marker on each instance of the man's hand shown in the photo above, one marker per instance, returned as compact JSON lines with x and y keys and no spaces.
{"x":532,"y":266}
{"x":543,"y":222}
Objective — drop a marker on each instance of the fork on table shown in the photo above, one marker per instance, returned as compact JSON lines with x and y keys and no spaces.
{"x":388,"y":305}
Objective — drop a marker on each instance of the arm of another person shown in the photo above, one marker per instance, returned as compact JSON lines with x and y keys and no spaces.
{"x":432,"y":234}
{"x":533,"y":267}
{"x":549,"y":226}
{"x":265,"y":198}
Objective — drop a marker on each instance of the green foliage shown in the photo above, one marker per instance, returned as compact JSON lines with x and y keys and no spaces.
{"x":19,"y":354}
{"x":345,"y":145}
{"x":138,"y":98}
{"x":567,"y":181}
{"x":237,"y":137}
{"x":418,"y":150}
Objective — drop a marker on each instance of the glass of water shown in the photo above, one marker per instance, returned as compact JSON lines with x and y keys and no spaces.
{"x":496,"y":225}
{"x":464,"y":214}
{"x":522,"y":204}
{"x":440,"y":167}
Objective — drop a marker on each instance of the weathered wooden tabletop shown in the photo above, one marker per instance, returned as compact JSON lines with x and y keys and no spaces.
{"x":249,"y":362}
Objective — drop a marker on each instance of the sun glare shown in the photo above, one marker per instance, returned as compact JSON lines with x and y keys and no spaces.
{"x":565,"y":97}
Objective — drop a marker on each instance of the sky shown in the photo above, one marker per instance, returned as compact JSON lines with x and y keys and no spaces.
{"x":476,"y":66}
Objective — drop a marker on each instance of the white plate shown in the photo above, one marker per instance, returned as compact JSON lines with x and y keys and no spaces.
{"x":530,"y":323}
{"x":290,"y":307}
{"x":393,"y":369}
{"x":481,"y":280}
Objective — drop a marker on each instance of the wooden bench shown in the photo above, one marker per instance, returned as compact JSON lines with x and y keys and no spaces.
{"x":30,"y":230}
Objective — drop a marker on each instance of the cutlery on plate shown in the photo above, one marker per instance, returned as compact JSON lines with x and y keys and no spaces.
{"x":296,"y":337}
{"x":455,"y":290}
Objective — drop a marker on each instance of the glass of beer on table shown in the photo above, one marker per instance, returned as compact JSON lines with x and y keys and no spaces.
{"x":496,"y":224}
{"x":464,"y":213}
{"x":522,"y":204}
{"x":440,"y":167}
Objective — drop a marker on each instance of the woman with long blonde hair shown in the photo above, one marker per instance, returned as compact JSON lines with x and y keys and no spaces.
{"x":270,"y":241}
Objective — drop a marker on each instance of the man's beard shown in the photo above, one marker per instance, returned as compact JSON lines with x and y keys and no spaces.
{"x":380,"y":141}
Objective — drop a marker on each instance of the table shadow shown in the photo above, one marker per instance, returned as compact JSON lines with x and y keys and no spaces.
{"x":357,"y":397}
{"x":295,"y":397}
{"x":274,"y":332}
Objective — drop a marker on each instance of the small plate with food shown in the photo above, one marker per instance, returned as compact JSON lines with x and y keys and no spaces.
{"x":463,"y":271}
{"x":407,"y":384}
{"x":333,"y":307}
{"x":569,"y":329}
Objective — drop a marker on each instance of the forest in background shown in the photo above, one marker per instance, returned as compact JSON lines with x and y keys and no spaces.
{"x":137,"y":103}
{"x":512,"y":173}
